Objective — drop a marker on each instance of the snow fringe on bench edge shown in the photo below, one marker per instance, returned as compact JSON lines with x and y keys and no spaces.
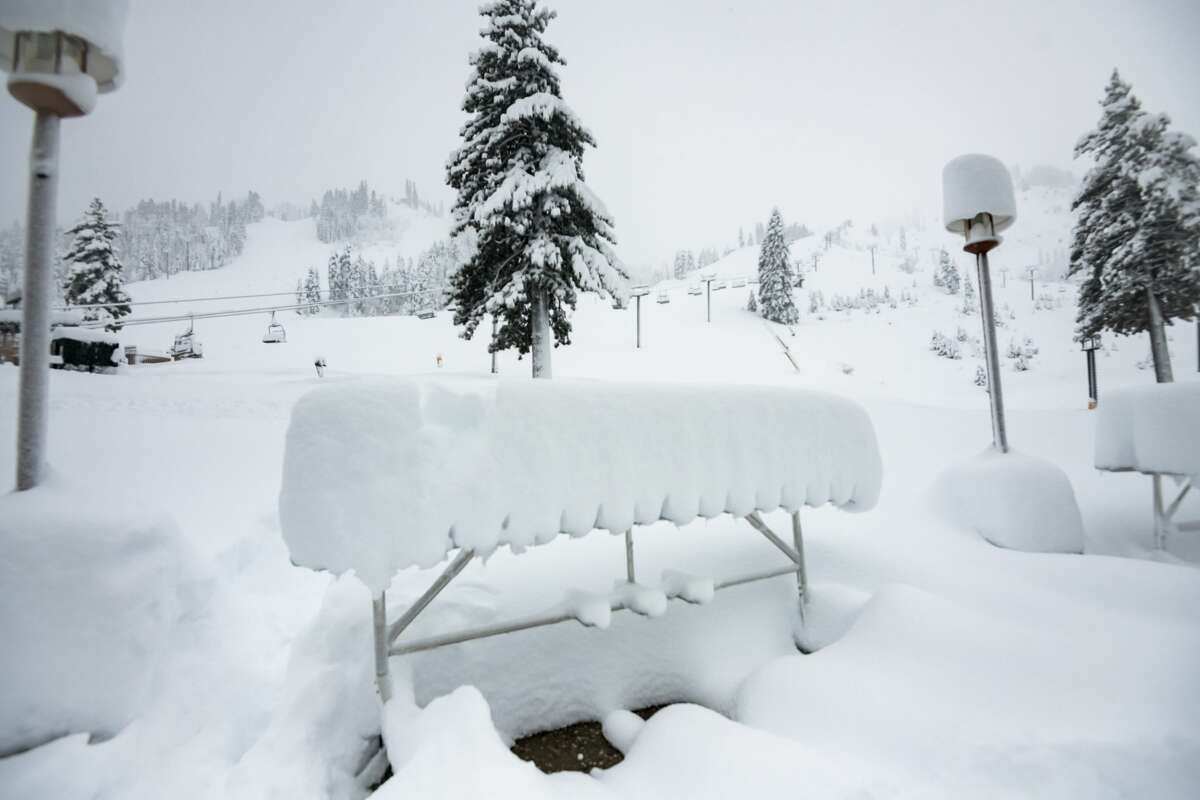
{"x":381,"y":475}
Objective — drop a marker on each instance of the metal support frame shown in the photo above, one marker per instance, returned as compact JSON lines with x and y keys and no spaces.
{"x":385,"y":636}
{"x":1164,"y":521}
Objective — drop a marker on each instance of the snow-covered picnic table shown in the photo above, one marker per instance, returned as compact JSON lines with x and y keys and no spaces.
{"x":1153,"y":429}
{"x":382,"y":475}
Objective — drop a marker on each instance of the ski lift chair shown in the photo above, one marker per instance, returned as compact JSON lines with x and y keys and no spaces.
{"x":275,"y":333}
{"x":663,"y":297}
{"x":187,"y":345}
{"x":426,"y":313}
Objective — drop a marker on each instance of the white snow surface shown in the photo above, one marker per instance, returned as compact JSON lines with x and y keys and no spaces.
{"x":384,"y":475}
{"x":1150,"y":428}
{"x":974,"y":184}
{"x":1013,"y":500}
{"x":90,"y":601}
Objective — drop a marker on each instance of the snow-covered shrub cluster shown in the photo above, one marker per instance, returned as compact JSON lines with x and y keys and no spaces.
{"x":980,"y":376}
{"x":866,"y":300}
{"x":1021,"y":355}
{"x":945,"y":346}
{"x":1046,"y":302}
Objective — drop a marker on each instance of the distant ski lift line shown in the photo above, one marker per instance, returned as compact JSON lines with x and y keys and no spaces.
{"x":240,"y":312}
{"x":292,"y":293}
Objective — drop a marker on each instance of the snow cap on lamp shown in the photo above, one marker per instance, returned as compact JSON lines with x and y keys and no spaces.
{"x":977,"y":197}
{"x":62,"y":53}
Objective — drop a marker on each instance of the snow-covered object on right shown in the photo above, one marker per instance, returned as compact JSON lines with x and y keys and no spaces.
{"x":1013,"y":500}
{"x":1150,"y":428}
{"x":91,"y":596}
{"x":977,"y":184}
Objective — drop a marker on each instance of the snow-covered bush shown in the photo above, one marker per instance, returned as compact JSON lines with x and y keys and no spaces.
{"x":90,"y":597}
{"x":960,"y":334}
{"x":1021,"y":364}
{"x":751,"y":303}
{"x":1028,"y":348}
{"x":981,"y":376}
{"x":945,"y":346}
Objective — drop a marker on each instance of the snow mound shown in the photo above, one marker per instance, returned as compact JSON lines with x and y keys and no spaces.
{"x":1151,"y":428}
{"x":383,"y":475}
{"x":1013,"y":500}
{"x":90,"y":599}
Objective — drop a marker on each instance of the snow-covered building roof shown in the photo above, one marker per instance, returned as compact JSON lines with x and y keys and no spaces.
{"x":387,"y":474}
{"x":1150,"y":428}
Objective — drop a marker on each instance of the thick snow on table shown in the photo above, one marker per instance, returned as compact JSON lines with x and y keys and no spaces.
{"x":383,"y":475}
{"x":1150,"y":428}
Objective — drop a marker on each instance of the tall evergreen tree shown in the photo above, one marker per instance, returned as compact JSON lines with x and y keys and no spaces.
{"x":775,"y":275}
{"x":312,"y":291}
{"x":96,"y":274}
{"x":1137,"y":230}
{"x":540,"y":235}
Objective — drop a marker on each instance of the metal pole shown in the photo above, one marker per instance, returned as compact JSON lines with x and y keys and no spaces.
{"x":383,"y":679}
{"x":629,"y":572}
{"x":708,"y":299}
{"x":35,"y":303}
{"x":872,"y":260}
{"x":995,"y":395}
{"x":495,"y":370}
{"x":638,"y":299}
{"x":1093,"y":396}
{"x":1030,"y":287}
{"x":801,"y":571}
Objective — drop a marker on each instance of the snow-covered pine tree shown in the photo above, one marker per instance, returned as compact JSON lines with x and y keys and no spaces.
{"x":751,"y":303}
{"x":679,"y":267}
{"x":1137,"y":225}
{"x":774,"y":275}
{"x":345,"y":272}
{"x":948,"y":273}
{"x":312,"y":291}
{"x":95,"y":276}
{"x":541,"y":235}
{"x":968,"y":287}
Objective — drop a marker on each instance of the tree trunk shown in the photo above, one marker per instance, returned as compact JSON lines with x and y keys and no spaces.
{"x":541,"y":336}
{"x":1158,"y":341}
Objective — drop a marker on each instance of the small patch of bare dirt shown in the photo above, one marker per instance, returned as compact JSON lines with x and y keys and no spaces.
{"x":576,"y":748}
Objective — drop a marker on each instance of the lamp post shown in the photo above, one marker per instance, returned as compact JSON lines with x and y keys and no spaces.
{"x":638,"y":292}
{"x":978,"y":202}
{"x":708,"y":279}
{"x":58,"y":59}
{"x":1090,"y":345}
{"x":1031,"y":273}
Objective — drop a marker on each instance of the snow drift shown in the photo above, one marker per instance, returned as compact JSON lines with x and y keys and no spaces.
{"x":90,"y":600}
{"x":383,"y":475}
{"x":1013,"y":500}
{"x":1150,"y":428}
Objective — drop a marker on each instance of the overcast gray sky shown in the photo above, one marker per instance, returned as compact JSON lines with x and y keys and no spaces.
{"x":707,"y":113}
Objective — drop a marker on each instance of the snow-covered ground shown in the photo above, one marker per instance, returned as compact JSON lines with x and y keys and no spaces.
{"x":949,"y":667}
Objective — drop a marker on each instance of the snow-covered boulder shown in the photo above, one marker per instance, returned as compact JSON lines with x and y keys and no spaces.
{"x":383,"y":475}
{"x":1013,"y":500}
{"x":90,"y":597}
{"x":1150,"y":428}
